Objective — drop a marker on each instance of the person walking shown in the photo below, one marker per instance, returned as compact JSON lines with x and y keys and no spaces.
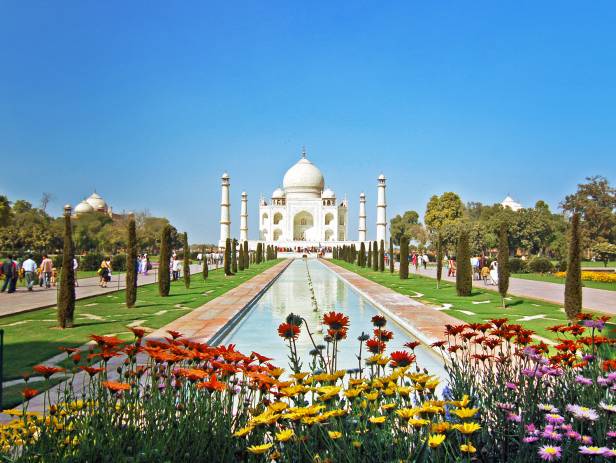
{"x":424,"y":260}
{"x":105,"y":272}
{"x":9,"y":269}
{"x":414,"y":261}
{"x":46,"y":271}
{"x":75,"y":266}
{"x":175,"y":268}
{"x":29,"y":267}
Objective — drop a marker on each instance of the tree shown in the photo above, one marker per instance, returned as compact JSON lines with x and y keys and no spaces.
{"x":402,"y":225}
{"x":246,"y":256}
{"x":391,"y":256}
{"x":439,"y":260}
{"x":186,"y":266}
{"x":604,"y":252}
{"x":46,"y":198}
{"x":369,"y":263}
{"x":442,"y":216}
{"x":404,"y":257}
{"x":382,"y":256}
{"x":573,"y":281}
{"x":375,"y":256}
{"x":259,"y":255}
{"x":164,"y":283}
{"x":5,"y":211}
{"x":503,"y":262}
{"x":464,"y":276}
{"x":227,"y":258}
{"x":131,"y":263}
{"x":361,"y":257}
{"x":240,"y":258}
{"x":595,"y":202}
{"x":205,"y":269}
{"x":66,"y":298}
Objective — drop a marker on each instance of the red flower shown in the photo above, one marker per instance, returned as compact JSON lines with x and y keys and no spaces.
{"x":174,"y":334}
{"x":47,"y":371}
{"x":401,"y":358}
{"x":379,"y":321}
{"x":438,"y":344}
{"x":288,"y":331}
{"x":29,"y":393}
{"x":454,"y":330}
{"x":338,"y":335}
{"x":109,"y":341}
{"x":92,"y":370}
{"x":498,"y":322}
{"x":383,"y":335}
{"x":375,"y":346}
{"x":138,"y":332}
{"x":336,"y":320}
{"x":412,"y":344}
{"x":260,"y":358}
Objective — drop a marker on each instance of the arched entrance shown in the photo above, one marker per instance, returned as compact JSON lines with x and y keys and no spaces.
{"x":302,"y":223}
{"x":277,"y":234}
{"x":329,"y":235}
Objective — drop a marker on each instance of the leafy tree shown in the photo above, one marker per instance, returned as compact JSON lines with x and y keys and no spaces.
{"x":66,"y":298}
{"x":404,"y":258}
{"x":503,"y":262}
{"x":442,"y":210}
{"x":5,"y":211}
{"x":382,"y":256}
{"x":186,"y":265}
{"x":164,"y":283}
{"x":131,"y":262}
{"x":595,"y":202}
{"x":573,"y":281}
{"x":604,"y":252}
{"x":391,"y":256}
{"x":464,"y":276}
{"x":227,"y":257}
{"x":205,"y":269}
{"x":401,"y":225}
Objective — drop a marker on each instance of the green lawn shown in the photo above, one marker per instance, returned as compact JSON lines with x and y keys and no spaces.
{"x":482,"y":305}
{"x":589,"y":263}
{"x":554,"y":279}
{"x":32,"y":337}
{"x":11,"y":395}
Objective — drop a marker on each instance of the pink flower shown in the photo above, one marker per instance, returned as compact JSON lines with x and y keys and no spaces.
{"x":514,"y":417}
{"x":512,"y":386}
{"x":587,"y":450}
{"x":574,"y":435}
{"x":583,"y":381}
{"x":611,"y":434}
{"x":609,"y":453}
{"x":586,"y":440}
{"x":549,"y":453}
{"x":554,"y":418}
{"x":530,"y":439}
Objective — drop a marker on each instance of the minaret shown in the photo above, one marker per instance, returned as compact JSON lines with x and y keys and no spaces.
{"x":244,"y":218}
{"x":381,"y":211}
{"x":225,"y":216}
{"x":362,"y":217}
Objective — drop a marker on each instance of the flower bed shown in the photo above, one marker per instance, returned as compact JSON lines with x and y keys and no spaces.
{"x":604,"y":277}
{"x":507,"y":398}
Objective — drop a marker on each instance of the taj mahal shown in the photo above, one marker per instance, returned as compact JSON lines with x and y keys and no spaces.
{"x":303,"y":213}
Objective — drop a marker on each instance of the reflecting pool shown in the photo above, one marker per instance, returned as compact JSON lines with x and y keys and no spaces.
{"x":290,"y":293}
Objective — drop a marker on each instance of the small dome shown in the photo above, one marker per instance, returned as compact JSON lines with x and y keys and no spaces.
{"x":83,"y":208}
{"x":97,"y":203}
{"x":304,"y":179}
{"x":381,"y":177}
{"x":362,"y":195}
{"x":327,"y":193}
{"x":278,"y":193}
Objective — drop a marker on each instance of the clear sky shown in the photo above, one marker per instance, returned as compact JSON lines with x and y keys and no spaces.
{"x":148,"y":102}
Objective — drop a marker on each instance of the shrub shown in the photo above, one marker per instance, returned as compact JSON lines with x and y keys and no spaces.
{"x":118,"y":263}
{"x":90,"y":262}
{"x":57,"y":261}
{"x":517,"y":265}
{"x":540,"y":265}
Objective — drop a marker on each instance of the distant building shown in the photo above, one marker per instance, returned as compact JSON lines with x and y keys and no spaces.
{"x":94,"y":204}
{"x":511,"y":204}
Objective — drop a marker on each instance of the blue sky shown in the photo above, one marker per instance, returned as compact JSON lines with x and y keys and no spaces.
{"x":149,"y":102}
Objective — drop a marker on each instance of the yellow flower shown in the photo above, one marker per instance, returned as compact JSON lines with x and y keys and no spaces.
{"x":430,"y":408}
{"x":334,"y":413}
{"x":334,"y":434}
{"x":299,"y":376}
{"x":292,"y":391}
{"x":418,"y":423}
{"x":467,"y":428}
{"x":276,"y":372}
{"x":468,"y":448}
{"x":389,"y":391}
{"x":356,"y":382}
{"x":377,"y":419}
{"x":259,"y":449}
{"x":356,"y":444}
{"x":432,"y":383}
{"x":404,"y":390}
{"x":461,"y":403}
{"x":440,"y":428}
{"x":284,"y":435}
{"x":407,"y":413}
{"x":278,"y":406}
{"x":388,"y":406}
{"x":434,"y":440}
{"x":339,"y":374}
{"x":465,"y":412}
{"x":243,"y":432}
{"x":352,"y":393}
{"x":383,"y":361}
{"x":371,"y":396}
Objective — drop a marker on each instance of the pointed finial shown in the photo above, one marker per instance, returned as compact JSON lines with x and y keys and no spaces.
{"x":304,"y":152}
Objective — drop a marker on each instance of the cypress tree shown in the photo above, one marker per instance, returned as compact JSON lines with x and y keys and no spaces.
{"x":503,"y":262}
{"x":131,"y":264}
{"x":227,"y":258}
{"x":240,"y":259}
{"x":205,"y":269}
{"x":391,"y":256}
{"x":439,"y":259}
{"x":258,"y":254}
{"x":404,"y":258}
{"x":382,"y":256}
{"x":186,"y":265}
{"x":375,"y":256}
{"x":234,"y":256}
{"x":164,"y":284}
{"x":369,"y":263}
{"x":246,"y":256}
{"x":362,"y":255}
{"x":464,"y":275}
{"x":573,"y":282}
{"x":66,"y":297}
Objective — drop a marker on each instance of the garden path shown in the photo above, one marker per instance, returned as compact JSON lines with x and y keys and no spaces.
{"x":23,"y":300}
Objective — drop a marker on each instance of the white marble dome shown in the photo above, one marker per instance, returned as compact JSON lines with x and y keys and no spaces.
{"x":303,"y":179}
{"x":83,"y":208}
{"x":327,"y":193}
{"x":97,"y":203}
{"x":278,"y":193}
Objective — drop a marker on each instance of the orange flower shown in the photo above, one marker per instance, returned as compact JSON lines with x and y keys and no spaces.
{"x":288,"y":331}
{"x":212,"y":385}
{"x":109,"y":341}
{"x":114,"y":386}
{"x":92,"y":370}
{"x":191,"y":374}
{"x":336,"y":320}
{"x":383,"y":335}
{"x":29,"y":393}
{"x":260,"y":358}
{"x":401,"y":359}
{"x":47,"y":371}
{"x":138,"y":332}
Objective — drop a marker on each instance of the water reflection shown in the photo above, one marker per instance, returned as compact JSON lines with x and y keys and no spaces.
{"x":290,"y":293}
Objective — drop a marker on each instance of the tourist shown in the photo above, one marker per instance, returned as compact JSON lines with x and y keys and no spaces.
{"x":105,"y":272}
{"x":485,"y":273}
{"x":175,"y":267}
{"x":414,"y":261}
{"x":475,"y":265}
{"x":75,"y":267}
{"x":145,"y":264}
{"x":46,"y":271}
{"x":199,"y":258}
{"x":452,"y":267}
{"x":29,"y":267}
{"x":425,"y":259}
{"x":9,"y":270}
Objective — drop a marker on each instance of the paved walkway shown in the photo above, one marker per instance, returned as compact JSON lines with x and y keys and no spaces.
{"x":425,"y":323}
{"x":23,"y":300}
{"x":600,"y":300}
{"x":200,"y":325}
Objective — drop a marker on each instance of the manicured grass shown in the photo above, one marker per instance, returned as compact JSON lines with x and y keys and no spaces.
{"x":554,"y":279}
{"x":482,"y":305}
{"x":589,"y":263}
{"x":32,"y":337}
{"x":11,"y":395}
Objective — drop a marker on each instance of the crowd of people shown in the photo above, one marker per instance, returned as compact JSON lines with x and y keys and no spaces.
{"x":27,"y":270}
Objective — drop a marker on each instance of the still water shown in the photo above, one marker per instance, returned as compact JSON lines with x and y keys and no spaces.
{"x":290,"y":293}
